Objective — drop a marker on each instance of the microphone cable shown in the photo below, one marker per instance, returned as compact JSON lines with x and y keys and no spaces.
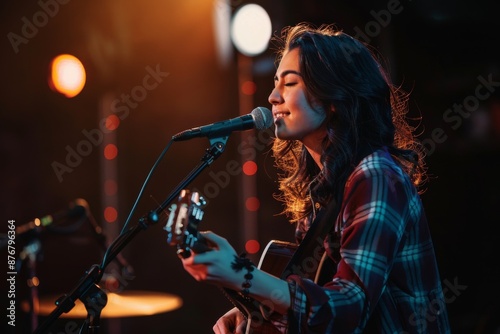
{"x":124,"y":230}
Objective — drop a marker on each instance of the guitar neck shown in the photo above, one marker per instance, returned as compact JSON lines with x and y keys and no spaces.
{"x":182,"y":231}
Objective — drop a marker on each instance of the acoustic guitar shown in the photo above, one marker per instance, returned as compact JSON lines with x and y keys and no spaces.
{"x":184,"y":217}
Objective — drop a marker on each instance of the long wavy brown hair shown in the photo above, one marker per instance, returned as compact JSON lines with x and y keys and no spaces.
{"x":370,"y":113}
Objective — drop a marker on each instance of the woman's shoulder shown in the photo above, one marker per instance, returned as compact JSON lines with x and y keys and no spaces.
{"x":377,"y":164}
{"x":379,"y":178}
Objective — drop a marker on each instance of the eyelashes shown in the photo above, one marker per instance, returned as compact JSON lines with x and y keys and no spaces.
{"x":288,"y":84}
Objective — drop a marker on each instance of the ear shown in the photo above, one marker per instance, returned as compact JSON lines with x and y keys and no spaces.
{"x":332,"y":108}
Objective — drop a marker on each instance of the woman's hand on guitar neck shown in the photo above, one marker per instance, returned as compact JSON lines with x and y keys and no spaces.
{"x":231,"y":322}
{"x":214,"y":266}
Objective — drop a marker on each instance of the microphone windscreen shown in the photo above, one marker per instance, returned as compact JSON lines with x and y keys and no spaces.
{"x":263,"y":118}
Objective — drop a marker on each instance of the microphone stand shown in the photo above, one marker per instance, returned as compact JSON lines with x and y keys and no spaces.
{"x":125,"y":267}
{"x":87,"y":290}
{"x":30,"y":254}
{"x":217,"y":146}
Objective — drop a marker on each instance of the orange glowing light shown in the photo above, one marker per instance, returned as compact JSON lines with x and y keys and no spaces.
{"x":248,"y":88}
{"x":110,"y":151}
{"x":252,"y":246}
{"x":252,"y":204}
{"x":112,"y":122}
{"x":250,"y":168}
{"x":67,"y":75}
{"x":110,"y":214}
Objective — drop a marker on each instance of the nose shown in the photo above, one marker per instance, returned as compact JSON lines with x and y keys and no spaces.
{"x":275,"y":97}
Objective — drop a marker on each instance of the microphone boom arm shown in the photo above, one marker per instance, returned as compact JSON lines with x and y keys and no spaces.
{"x":87,"y":289}
{"x":217,"y":147}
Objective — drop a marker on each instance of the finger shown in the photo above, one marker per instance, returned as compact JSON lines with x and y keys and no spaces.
{"x":198,"y":261}
{"x":207,"y":258}
{"x":217,"y":240}
{"x":187,"y":260}
{"x":222,"y":327}
{"x":227,"y":323}
{"x":241,"y":328}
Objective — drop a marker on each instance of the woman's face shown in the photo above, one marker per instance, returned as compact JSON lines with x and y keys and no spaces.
{"x":293,"y":116}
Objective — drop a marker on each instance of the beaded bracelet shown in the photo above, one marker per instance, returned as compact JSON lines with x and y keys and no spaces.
{"x":237,"y":265}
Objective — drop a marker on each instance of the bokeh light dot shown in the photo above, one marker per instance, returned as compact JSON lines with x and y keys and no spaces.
{"x":248,"y":88}
{"x":67,"y":75}
{"x":252,"y":204}
{"x":110,"y":214}
{"x":250,"y":168}
{"x":112,"y":122}
{"x":252,"y":246}
{"x":251,"y":29}
{"x":110,"y":151}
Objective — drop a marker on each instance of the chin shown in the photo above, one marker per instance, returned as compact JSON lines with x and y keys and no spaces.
{"x":284,"y":136}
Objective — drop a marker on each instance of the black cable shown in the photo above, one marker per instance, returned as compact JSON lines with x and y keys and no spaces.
{"x":134,"y":207}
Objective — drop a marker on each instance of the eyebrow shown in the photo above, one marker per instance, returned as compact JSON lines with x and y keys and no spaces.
{"x":285,"y":73}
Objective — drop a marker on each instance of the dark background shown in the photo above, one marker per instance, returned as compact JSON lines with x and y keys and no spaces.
{"x":441,"y":51}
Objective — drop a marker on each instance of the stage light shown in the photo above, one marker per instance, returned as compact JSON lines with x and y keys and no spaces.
{"x":251,"y":29}
{"x":67,"y":75}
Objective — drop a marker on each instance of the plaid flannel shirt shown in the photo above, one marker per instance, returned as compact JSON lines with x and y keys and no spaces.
{"x":387,"y":279}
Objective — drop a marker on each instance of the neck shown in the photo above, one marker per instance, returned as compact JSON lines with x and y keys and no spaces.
{"x":313,"y":143}
{"x":316,"y":155}
{"x":315,"y":150}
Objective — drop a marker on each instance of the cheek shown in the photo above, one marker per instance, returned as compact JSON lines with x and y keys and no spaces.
{"x":314,"y":110}
{"x":308,"y":121}
{"x":319,"y":116}
{"x":314,"y":116}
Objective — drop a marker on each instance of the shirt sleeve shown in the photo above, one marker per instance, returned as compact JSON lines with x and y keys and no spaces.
{"x":374,"y":215}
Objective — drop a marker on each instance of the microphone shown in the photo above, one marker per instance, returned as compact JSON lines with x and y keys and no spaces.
{"x":260,"y":118}
{"x":77,"y":209}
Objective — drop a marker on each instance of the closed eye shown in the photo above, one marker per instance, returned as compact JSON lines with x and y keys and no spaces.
{"x":283,"y":75}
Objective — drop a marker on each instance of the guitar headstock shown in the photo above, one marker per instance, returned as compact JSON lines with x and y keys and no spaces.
{"x":182,"y":225}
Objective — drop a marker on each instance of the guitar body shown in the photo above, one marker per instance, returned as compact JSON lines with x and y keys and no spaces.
{"x":182,"y":228}
{"x":276,"y":256}
{"x":274,"y":260}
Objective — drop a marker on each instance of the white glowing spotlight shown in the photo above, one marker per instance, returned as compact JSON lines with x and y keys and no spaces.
{"x":251,"y":29}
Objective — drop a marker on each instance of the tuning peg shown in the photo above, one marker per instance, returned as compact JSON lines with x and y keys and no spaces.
{"x":197,"y":199}
{"x":183,"y":193}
